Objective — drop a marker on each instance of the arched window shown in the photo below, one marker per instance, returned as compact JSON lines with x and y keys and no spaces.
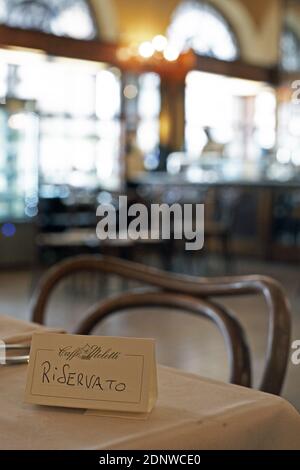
{"x":70,"y":18}
{"x":199,"y":26}
{"x":290,"y":50}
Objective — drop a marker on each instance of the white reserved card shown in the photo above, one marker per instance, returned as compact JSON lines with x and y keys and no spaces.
{"x":92,"y":372}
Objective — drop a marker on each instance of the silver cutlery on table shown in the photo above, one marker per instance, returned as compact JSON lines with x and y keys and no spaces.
{"x":14,"y":359}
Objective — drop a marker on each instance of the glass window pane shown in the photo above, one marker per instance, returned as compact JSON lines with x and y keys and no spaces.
{"x":228,"y":116}
{"x":149,"y":96}
{"x":202,"y":28}
{"x":70,"y":136}
{"x":108,"y":95}
{"x":148,"y":135}
{"x":3,"y":79}
{"x":18,"y":164}
{"x":75,"y":21}
{"x":108,"y":153}
{"x":60,"y":17}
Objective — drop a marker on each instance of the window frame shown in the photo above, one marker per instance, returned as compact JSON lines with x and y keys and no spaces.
{"x":220,"y":15}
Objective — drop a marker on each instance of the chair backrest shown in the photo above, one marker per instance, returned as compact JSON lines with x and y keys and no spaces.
{"x":238,"y":351}
{"x":195,"y":292}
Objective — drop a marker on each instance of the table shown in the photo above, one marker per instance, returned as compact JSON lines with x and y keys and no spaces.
{"x":191,"y":413}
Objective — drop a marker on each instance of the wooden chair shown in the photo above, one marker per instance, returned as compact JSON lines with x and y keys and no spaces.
{"x":190,"y":294}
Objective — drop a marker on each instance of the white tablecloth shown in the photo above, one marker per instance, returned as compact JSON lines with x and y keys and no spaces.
{"x":191,"y":413}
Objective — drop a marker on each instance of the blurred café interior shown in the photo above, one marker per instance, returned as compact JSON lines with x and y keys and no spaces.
{"x":180,"y":101}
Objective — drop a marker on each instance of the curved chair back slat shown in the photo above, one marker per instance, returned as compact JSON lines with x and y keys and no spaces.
{"x":237,"y":348}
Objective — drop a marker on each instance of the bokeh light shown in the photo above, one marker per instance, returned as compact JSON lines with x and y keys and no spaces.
{"x":146,"y":49}
{"x":8,"y":230}
{"x":130,"y":92}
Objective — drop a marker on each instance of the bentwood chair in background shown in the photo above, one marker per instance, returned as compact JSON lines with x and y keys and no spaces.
{"x":187,"y":294}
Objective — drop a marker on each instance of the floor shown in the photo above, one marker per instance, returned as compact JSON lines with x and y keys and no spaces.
{"x":183,"y":341}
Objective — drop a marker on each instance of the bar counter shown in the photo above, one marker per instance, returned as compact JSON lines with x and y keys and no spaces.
{"x":263,"y":213}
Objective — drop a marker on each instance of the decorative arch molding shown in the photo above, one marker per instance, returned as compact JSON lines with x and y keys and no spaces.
{"x":241,"y":22}
{"x":106,"y":19}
